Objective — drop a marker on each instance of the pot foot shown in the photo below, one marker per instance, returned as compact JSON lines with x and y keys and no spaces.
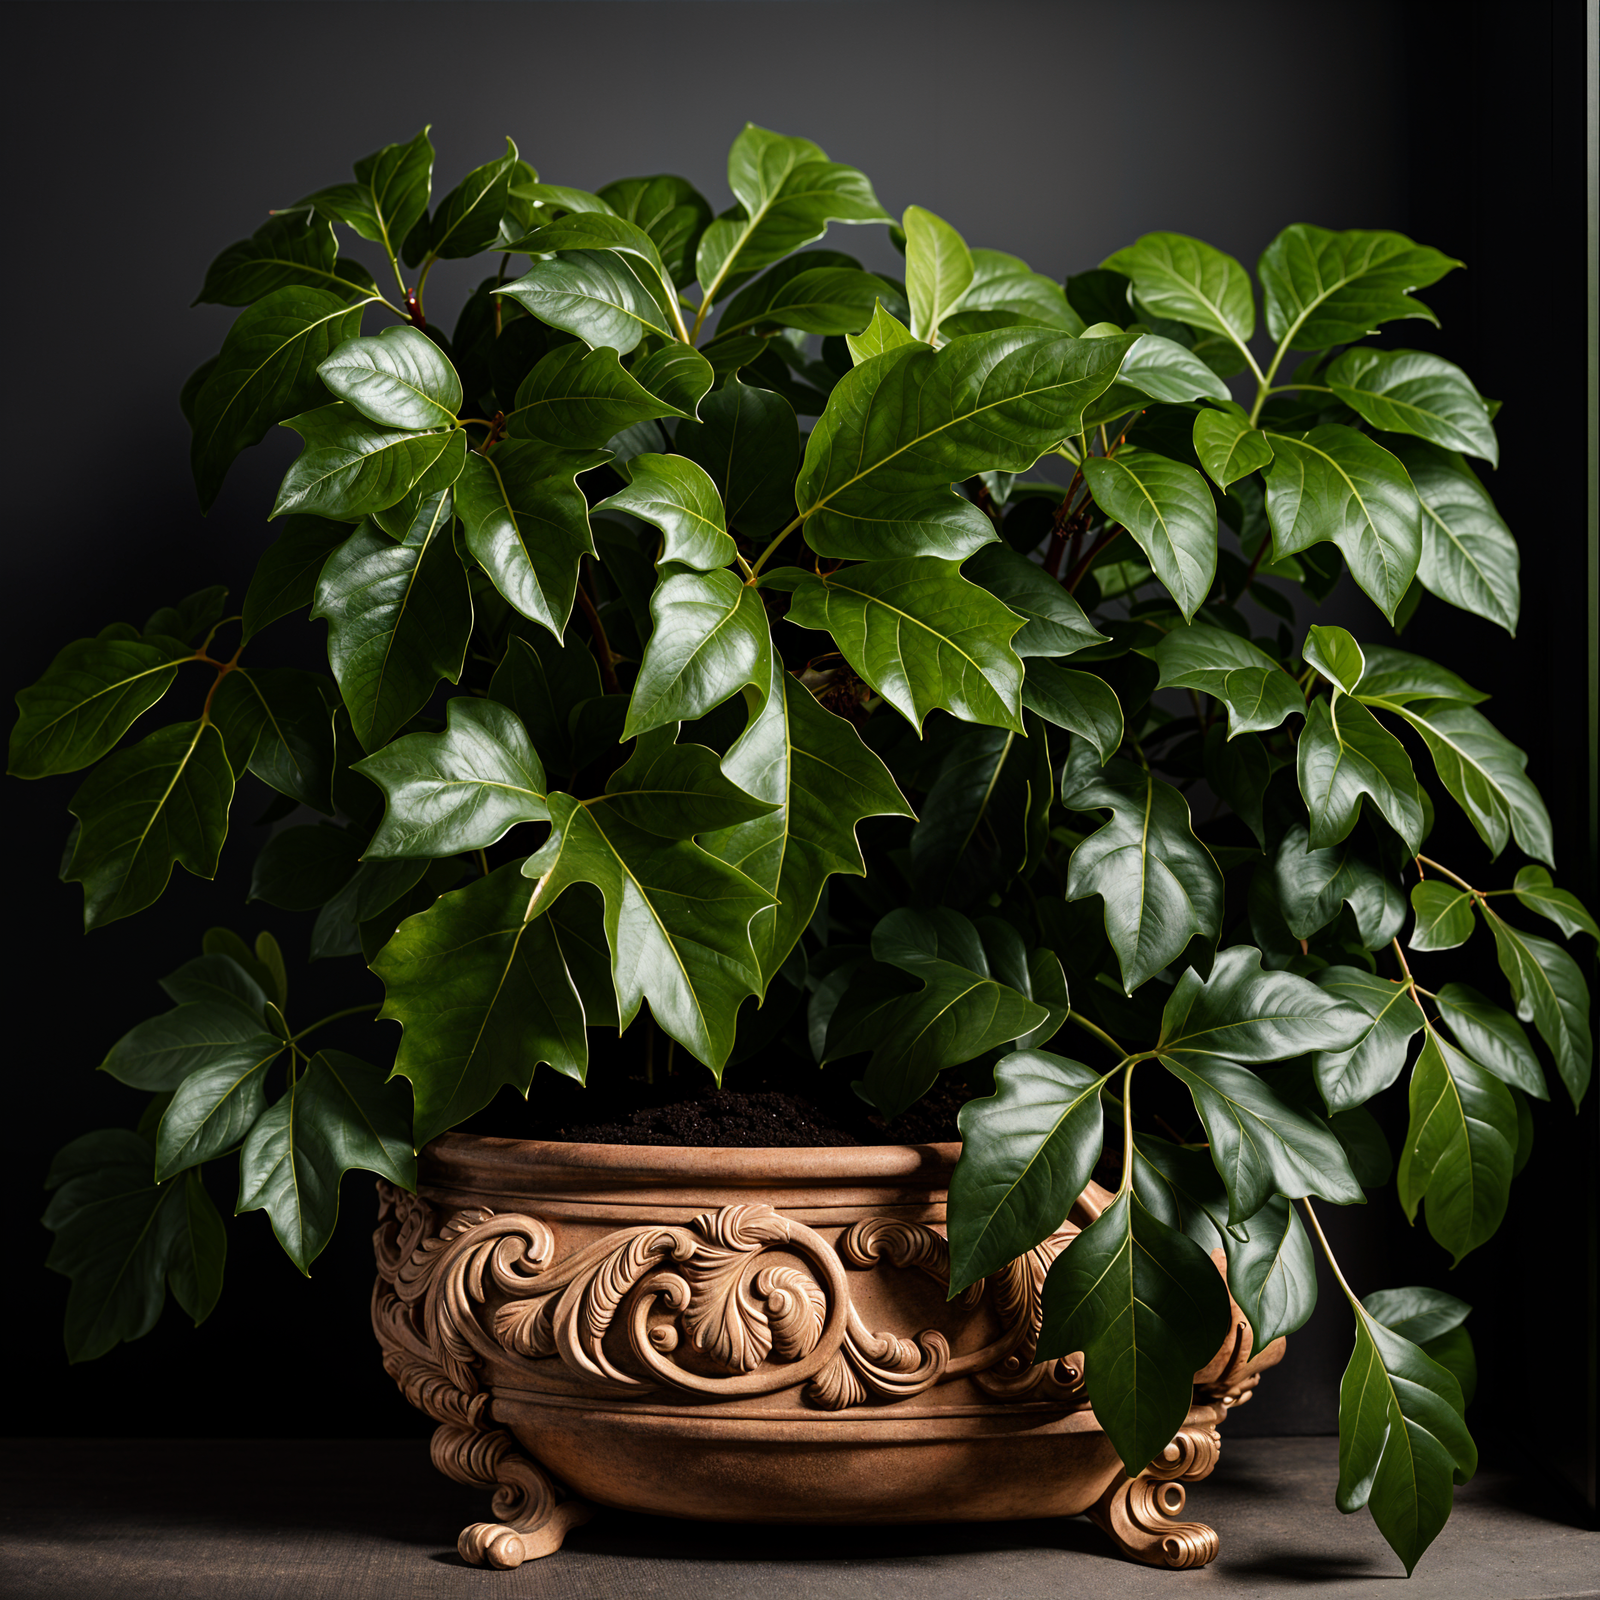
{"x":535,"y":1513}
{"x":1140,"y":1516}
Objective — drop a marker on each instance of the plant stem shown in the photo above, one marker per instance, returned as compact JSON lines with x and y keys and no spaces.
{"x":772,"y":548}
{"x":1127,"y":1127}
{"x":608,"y":671}
{"x":1400,"y":956}
{"x":483,"y":862}
{"x":333,"y":1016}
{"x":1099,"y":1033}
{"x":1427,"y":861}
{"x":1322,"y":1239}
{"x":1075,"y":577}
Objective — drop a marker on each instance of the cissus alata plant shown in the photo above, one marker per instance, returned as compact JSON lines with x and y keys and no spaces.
{"x":825,"y":667}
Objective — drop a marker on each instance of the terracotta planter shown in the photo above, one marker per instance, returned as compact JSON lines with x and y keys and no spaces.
{"x":749,"y":1335}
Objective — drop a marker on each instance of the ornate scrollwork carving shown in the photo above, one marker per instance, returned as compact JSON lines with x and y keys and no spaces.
{"x":1018,"y":1290}
{"x":1141,"y":1516}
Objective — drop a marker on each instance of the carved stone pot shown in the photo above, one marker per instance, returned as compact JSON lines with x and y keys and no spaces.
{"x":749,"y":1335}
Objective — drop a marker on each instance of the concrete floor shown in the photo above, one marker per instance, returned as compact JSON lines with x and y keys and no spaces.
{"x":344,"y":1520}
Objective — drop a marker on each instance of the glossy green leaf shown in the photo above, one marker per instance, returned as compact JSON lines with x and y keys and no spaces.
{"x":351,"y":467}
{"x":1005,"y":284}
{"x":294,"y":742}
{"x":1159,"y":883}
{"x":1168,"y":509}
{"x":676,"y":374}
{"x":579,"y":398}
{"x":1536,"y":892}
{"x":675,"y":495}
{"x":1258,"y":693}
{"x":1272,"y":1273}
{"x":1483,"y":771}
{"x":1402,"y":1442}
{"x":919,"y":633}
{"x":822,"y":781}
{"x":788,"y":192}
{"x":879,"y":336}
{"x":1027,"y":1152}
{"x":459,"y":790}
{"x":1324,"y":288}
{"x":748,"y":443}
{"x":594,"y":229}
{"x":601,"y":296}
{"x":217,"y":977}
{"x":677,"y":790}
{"x":1077,"y":701}
{"x":398,"y":617}
{"x":670,"y":209}
{"x":199,"y":1252}
{"x":710,"y":639}
{"x":1336,"y":655}
{"x":290,"y":249}
{"x":265,"y":371}
{"x":1147,"y":1308}
{"x":202,"y":1033}
{"x":816,"y":292}
{"x":938,"y":270}
{"x":468,"y":219}
{"x":900,"y":429}
{"x":91,"y":694}
{"x":338,"y":1114}
{"x":162,"y":800}
{"x":543,"y":680}
{"x":1469,"y":557}
{"x":1179,"y":1185}
{"x":1191,"y":282}
{"x":1334,"y":483}
{"x":527,"y":525}
{"x":389,"y":196}
{"x":1351,"y":1076}
{"x":1054,"y":622}
{"x":399,"y":379}
{"x":1459,"y":1147}
{"x":285,"y":578}
{"x":1228,"y":446}
{"x":303,"y":868}
{"x":1313,"y":884}
{"x":1491,"y":1037}
{"x":1550,"y":993}
{"x":1343,"y":755}
{"x":1416,"y":1314}
{"x":1409,"y":391}
{"x":969,"y":840}
{"x":1399,"y":678}
{"x":676,"y":918}
{"x":959,"y":1011}
{"x":215,"y":1106}
{"x":1444,"y":916}
{"x":1156,"y":368}
{"x":1238,"y":772}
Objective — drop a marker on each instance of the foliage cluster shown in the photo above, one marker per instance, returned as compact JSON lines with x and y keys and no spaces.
{"x":853,"y":744}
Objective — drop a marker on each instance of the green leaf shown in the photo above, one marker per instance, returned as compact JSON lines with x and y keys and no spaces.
{"x":286,"y":576}
{"x":595,"y":229}
{"x":265,"y":371}
{"x":1238,"y":771}
{"x":199,"y":1252}
{"x":1352,"y":1076}
{"x":117,"y":1237}
{"x":1159,"y":883}
{"x":670,"y":209}
{"x":880,"y":336}
{"x":1054,"y":622}
{"x":1156,"y":368}
{"x":373,"y":888}
{"x":748,"y":442}
{"x":675,"y":495}
{"x":600,"y":296}
{"x":1313,"y":884}
{"x":676,"y":375}
{"x":1147,"y":1308}
{"x":161,"y":1053}
{"x":1336,"y":655}
{"x":220,"y":978}
{"x":216,"y":1105}
{"x":398,"y":617}
{"x":959,"y":1011}
{"x":710,"y":639}
{"x":1178,"y":1185}
{"x":1006,"y":284}
{"x":1469,"y":557}
{"x":919,"y":633}
{"x":938,"y":270}
{"x":489,"y":983}
{"x":1027,"y":1152}
{"x":460,"y":790}
{"x":1409,"y":391}
{"x":1258,"y":693}
{"x":338,"y":1114}
{"x":579,"y":398}
{"x":812,"y":767}
{"x":1401,"y":1439}
{"x":389,"y":196}
{"x":294,"y":741}
{"x":290,"y":249}
{"x":91,"y":694}
{"x":1272,"y":1273}
{"x":1453,"y":1351}
{"x":351,"y":467}
{"x":1537,"y":892}
{"x":1228,"y":446}
{"x":468,"y":219}
{"x":543,"y":681}
{"x":1444,"y":916}
{"x":399,"y":379}
{"x":969,"y":840}
{"x":1077,"y":701}
{"x":1334,"y":483}
{"x":1416,"y":1314}
{"x":303,"y":868}
{"x":1491,"y":1037}
{"x":677,"y":790}
{"x":1550,"y":992}
{"x":1168,"y":509}
{"x":1191,"y":282}
{"x":1345,"y":754}
{"x":676,"y":918}
{"x":900,"y":429}
{"x":527,"y":525}
{"x":1483,"y":771}
{"x":1459,"y":1147}
{"x":788,"y":192}
{"x":821,"y":292}
{"x":162,"y":800}
{"x":1325,"y":288}
{"x":1394,"y":676}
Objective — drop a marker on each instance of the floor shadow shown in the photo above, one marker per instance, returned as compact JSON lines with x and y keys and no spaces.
{"x":1300,"y":1566}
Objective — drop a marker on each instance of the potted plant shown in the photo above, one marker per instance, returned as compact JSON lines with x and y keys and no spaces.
{"x":876,"y":750}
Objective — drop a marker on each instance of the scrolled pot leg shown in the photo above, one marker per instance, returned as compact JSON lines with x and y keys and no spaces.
{"x":534,"y":1514}
{"x":1141,"y":1517}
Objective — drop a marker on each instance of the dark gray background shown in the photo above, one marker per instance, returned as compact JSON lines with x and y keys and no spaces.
{"x":148,"y":136}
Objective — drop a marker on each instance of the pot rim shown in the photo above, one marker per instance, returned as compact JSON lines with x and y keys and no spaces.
{"x":484,"y":1156}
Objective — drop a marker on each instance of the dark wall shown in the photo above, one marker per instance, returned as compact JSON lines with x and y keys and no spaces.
{"x":160,"y":133}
